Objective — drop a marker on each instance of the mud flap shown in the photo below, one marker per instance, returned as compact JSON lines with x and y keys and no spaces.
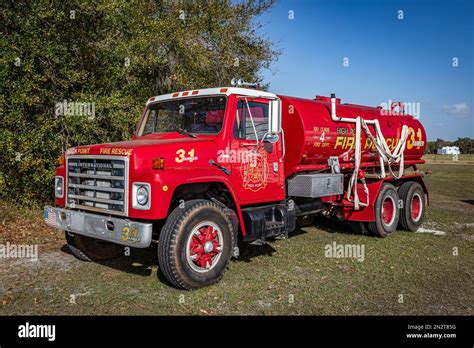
{"x":234,"y":221}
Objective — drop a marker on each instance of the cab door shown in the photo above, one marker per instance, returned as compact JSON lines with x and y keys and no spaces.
{"x":257,"y":172}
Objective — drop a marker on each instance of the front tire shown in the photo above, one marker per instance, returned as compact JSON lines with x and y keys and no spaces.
{"x":386,"y":212}
{"x":195,"y":245}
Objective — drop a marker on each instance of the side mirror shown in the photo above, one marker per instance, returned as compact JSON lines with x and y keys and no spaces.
{"x":271,"y":138}
{"x":274,"y":124}
{"x":134,"y":135}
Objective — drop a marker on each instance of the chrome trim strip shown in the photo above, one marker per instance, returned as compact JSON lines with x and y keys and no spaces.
{"x":94,"y":199}
{"x":97,"y":176}
{"x":97,"y":188}
{"x":96,"y":209}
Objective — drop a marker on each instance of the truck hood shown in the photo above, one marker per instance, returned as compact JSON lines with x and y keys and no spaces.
{"x":177,"y":150}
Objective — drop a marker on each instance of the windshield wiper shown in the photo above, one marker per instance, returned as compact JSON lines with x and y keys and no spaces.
{"x":186,"y":132}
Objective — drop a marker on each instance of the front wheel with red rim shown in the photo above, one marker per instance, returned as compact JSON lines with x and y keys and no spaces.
{"x":204,"y":246}
{"x":195,"y":245}
{"x":386,"y":212}
{"x":412,"y":214}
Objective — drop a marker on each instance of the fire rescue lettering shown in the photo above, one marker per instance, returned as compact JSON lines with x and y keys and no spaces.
{"x":346,"y":143}
{"x":116,"y":151}
{"x":415,"y":139}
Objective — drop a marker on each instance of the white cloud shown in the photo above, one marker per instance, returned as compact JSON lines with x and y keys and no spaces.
{"x":458,"y":110}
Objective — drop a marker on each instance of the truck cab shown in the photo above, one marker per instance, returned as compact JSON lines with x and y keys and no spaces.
{"x":215,"y":151}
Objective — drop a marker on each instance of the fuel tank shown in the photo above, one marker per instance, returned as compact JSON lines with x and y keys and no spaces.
{"x":312,"y":137}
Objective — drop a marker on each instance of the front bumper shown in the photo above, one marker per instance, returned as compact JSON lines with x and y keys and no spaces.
{"x":116,"y":230}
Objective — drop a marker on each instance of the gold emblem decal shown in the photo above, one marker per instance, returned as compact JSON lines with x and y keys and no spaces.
{"x":254,"y":171}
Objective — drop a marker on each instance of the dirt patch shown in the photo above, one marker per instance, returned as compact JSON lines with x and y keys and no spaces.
{"x":19,"y":227}
{"x":58,"y":260}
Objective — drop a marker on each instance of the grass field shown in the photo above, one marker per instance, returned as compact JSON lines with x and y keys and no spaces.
{"x":406,"y":273}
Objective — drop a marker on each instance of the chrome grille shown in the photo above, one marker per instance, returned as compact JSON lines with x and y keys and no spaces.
{"x":98,"y":183}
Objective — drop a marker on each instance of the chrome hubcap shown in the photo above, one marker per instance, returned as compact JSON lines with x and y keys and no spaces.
{"x":208,"y":247}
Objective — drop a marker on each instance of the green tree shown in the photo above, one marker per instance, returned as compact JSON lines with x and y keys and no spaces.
{"x":431,"y":147}
{"x":115,"y":54}
{"x":466,"y":145}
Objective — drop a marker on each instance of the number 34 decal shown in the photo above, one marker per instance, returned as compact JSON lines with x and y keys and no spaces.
{"x":130,"y":236}
{"x":180,"y":156}
{"x":414,"y":139}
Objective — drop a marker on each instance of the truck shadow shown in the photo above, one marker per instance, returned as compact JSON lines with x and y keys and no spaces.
{"x":342,"y":227}
{"x":249,"y":251}
{"x":140,"y":261}
{"x":333,"y":226}
{"x":143,"y":262}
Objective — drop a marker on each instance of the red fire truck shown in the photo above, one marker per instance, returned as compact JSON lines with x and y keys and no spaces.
{"x":210,"y":167}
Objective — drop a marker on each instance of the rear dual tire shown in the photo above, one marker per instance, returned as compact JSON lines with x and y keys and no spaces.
{"x":388,"y":215}
{"x":412,"y":213}
{"x":386,"y":212}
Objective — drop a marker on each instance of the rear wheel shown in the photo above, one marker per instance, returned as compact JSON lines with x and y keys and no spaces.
{"x":195,"y":245}
{"x":386,"y":212}
{"x":413,"y":212}
{"x":91,"y":249}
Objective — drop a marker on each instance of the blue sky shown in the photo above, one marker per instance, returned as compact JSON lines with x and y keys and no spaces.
{"x":409,"y":59}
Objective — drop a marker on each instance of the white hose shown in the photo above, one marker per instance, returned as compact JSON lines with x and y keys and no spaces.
{"x":397,"y":156}
{"x":385,"y":155}
{"x":355,"y":173}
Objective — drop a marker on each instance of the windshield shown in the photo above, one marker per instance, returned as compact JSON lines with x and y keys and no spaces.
{"x":190,"y":115}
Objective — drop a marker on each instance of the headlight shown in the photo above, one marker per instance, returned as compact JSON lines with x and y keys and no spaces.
{"x":142,"y":195}
{"x":58,"y":187}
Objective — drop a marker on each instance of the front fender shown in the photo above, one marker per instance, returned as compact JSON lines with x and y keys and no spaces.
{"x":165,"y":183}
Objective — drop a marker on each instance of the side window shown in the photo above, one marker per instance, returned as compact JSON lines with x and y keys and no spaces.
{"x":244,"y":128}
